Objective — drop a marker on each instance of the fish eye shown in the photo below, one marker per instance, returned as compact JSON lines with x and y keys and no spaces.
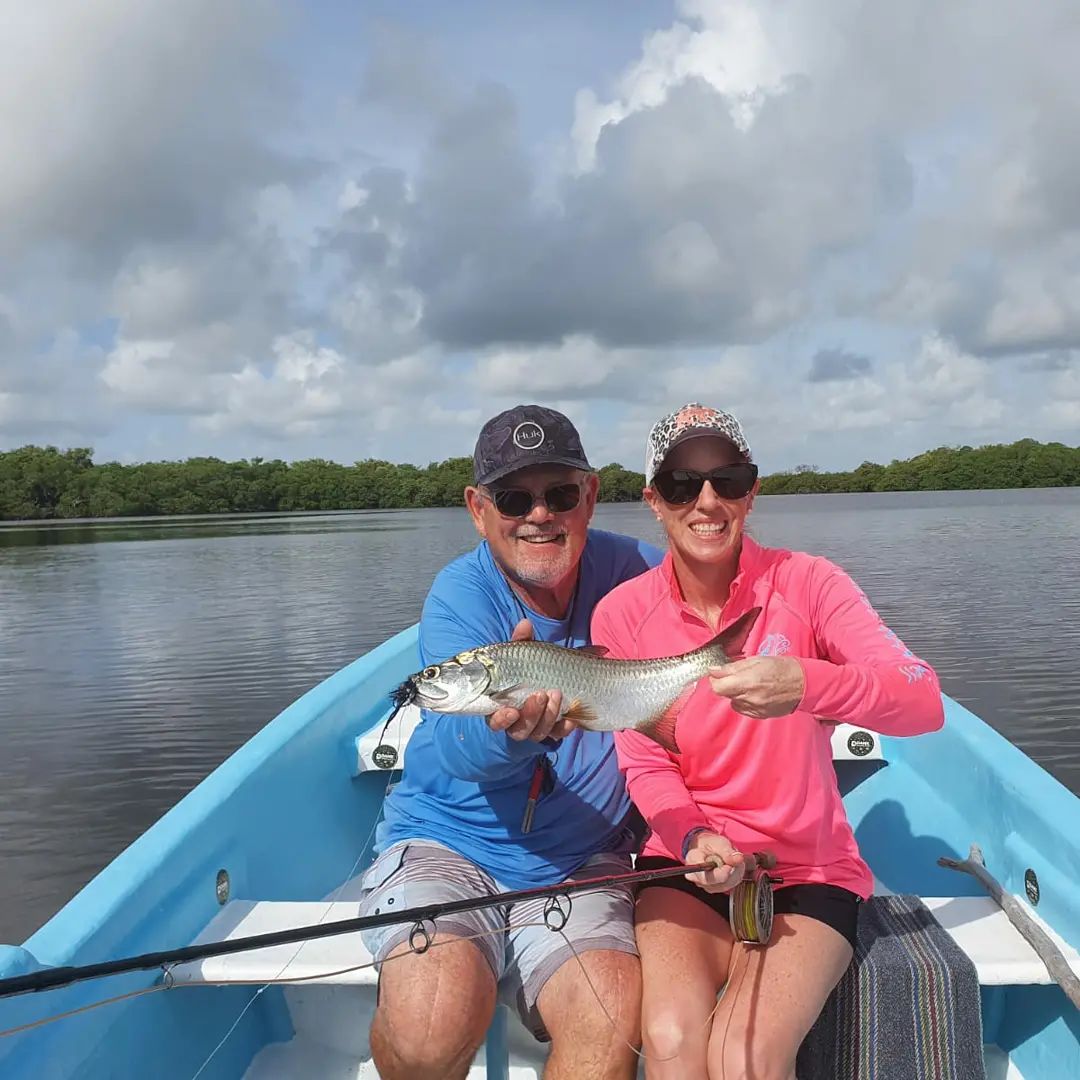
{"x":430,"y":673}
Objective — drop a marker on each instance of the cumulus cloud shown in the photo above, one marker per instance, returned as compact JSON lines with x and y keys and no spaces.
{"x":933,"y":386}
{"x":53,"y":389}
{"x":1058,"y":360}
{"x":306,"y":385}
{"x":372,"y":302}
{"x":120,"y":117}
{"x":742,"y":172}
{"x":133,"y":197}
{"x":758,"y":176}
{"x":942,"y":379}
{"x":689,"y":230}
{"x":830,"y":365}
{"x":730,"y":49}
{"x":1063,"y":409}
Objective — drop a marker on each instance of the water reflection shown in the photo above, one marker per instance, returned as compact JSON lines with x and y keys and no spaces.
{"x":129,"y":670}
{"x":97,"y":530}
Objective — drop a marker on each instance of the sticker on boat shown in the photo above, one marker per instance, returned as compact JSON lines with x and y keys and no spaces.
{"x":384,"y":756}
{"x":860,"y":743}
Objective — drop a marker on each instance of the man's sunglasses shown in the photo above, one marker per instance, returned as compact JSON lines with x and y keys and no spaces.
{"x":681,"y":486}
{"x":518,"y":502}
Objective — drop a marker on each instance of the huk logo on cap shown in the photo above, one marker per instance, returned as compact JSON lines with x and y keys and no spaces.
{"x":528,"y":435}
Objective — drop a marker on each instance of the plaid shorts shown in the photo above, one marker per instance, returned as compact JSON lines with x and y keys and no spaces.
{"x":521,"y":951}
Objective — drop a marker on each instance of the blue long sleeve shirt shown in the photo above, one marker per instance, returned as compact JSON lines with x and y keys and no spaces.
{"x":465,"y":785}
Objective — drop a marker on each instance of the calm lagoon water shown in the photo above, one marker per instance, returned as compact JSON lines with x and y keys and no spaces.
{"x":135,"y":656}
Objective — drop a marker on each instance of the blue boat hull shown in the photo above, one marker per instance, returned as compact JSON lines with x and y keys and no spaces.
{"x":286,"y":815}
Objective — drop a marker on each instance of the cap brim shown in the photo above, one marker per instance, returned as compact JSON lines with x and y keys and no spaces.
{"x":517,"y":466}
{"x":698,"y":433}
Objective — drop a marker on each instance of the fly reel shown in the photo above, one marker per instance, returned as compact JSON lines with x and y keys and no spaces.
{"x":751,"y":901}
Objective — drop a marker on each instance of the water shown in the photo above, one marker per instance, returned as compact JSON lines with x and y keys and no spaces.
{"x":135,"y":656}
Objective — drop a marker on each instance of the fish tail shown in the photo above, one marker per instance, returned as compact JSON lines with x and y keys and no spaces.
{"x":581,"y":713}
{"x":661,"y":729}
{"x":730,"y":643}
{"x":727,"y":645}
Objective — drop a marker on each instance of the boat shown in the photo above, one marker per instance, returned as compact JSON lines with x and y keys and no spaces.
{"x":278,"y":835}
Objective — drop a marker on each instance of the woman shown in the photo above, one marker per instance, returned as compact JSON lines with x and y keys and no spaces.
{"x":755,"y":770}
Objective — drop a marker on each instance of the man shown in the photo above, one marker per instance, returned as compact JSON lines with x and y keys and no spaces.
{"x":461,"y":824}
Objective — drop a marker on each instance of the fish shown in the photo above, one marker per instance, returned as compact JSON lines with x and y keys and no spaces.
{"x":601,"y":693}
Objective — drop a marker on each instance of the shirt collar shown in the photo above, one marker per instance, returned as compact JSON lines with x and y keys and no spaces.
{"x":750,"y":557}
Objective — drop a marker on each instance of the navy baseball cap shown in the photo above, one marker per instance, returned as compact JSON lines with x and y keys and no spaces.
{"x":526,"y":435}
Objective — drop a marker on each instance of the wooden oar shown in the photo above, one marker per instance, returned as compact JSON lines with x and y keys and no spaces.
{"x":1049,"y":953}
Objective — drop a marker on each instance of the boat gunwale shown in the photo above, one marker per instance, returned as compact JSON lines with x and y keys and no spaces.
{"x":75,"y":924}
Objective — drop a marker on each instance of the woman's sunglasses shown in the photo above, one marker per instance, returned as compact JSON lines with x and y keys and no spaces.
{"x":681,"y":486}
{"x":518,"y":502}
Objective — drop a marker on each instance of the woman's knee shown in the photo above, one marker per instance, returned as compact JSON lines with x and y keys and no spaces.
{"x":738,"y":1056}
{"x":668,"y":1032}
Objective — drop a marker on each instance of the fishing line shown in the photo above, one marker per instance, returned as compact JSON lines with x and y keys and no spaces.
{"x":169,"y":984}
{"x":49,"y":979}
{"x":225,"y":1037}
{"x":611,"y":1020}
{"x":551,"y":909}
{"x":398,"y":706}
{"x":83,"y":1008}
{"x":726,"y":990}
{"x":52,"y":978}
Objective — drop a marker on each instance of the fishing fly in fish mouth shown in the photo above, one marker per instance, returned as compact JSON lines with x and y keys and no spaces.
{"x":601,"y":694}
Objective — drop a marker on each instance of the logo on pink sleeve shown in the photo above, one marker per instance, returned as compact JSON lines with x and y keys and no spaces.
{"x":774,"y":645}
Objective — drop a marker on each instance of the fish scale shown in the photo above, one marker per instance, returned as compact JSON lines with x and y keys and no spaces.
{"x":599,"y":693}
{"x":615,"y":690}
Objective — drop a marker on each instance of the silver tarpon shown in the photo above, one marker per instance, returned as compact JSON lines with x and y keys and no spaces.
{"x":599,"y":693}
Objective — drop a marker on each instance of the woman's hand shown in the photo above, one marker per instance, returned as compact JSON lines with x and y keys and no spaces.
{"x":709,"y":847}
{"x":760,"y":686}
{"x":540,"y":716}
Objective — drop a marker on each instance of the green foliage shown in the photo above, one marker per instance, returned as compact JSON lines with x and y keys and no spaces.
{"x":44,"y":482}
{"x":620,"y":485}
{"x":1026,"y":463}
{"x":34,"y":481}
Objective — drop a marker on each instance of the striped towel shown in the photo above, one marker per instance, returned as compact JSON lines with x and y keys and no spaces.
{"x":907,"y":1008}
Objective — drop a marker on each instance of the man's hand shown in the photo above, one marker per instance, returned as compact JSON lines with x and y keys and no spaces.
{"x":760,"y":686}
{"x":707,"y":847}
{"x":539,"y":717}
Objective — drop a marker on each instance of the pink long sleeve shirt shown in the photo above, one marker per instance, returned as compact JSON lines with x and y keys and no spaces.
{"x":767,"y":784}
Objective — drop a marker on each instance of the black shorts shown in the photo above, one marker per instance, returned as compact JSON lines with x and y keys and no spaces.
{"x":830,"y":904}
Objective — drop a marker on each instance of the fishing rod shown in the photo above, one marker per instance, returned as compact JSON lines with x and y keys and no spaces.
{"x":52,"y":978}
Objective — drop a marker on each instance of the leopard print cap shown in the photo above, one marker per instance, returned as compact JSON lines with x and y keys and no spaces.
{"x":666,"y":432}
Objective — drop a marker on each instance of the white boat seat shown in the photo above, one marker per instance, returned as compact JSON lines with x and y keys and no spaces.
{"x":297,"y":961}
{"x":1001,"y":954}
{"x":848,"y":743}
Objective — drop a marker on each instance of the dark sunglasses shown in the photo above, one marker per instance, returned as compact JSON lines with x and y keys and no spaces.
{"x":681,"y":486}
{"x":518,"y":502}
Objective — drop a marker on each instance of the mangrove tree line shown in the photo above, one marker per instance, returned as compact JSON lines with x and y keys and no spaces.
{"x":46,"y":482}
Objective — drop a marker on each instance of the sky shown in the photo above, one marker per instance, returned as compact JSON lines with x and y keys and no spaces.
{"x":352,"y":230}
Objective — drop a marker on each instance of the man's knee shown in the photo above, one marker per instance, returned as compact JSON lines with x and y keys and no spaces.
{"x":434,"y":1010}
{"x":596,"y":994}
